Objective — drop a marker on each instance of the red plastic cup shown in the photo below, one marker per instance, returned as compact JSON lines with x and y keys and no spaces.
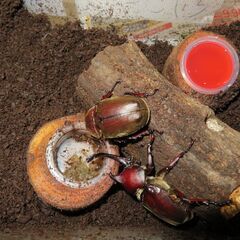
{"x":209,"y":65}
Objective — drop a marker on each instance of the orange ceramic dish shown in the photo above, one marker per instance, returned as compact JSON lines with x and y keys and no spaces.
{"x":45,"y":161}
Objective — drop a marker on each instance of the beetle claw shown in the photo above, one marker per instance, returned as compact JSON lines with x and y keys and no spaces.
{"x":155,"y":131}
{"x":110,"y":92}
{"x":190,"y":145}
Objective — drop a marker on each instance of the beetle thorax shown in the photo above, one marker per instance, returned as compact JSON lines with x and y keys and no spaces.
{"x":160,"y":182}
{"x":132,"y":178}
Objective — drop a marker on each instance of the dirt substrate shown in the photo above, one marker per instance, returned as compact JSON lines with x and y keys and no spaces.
{"x":39,"y":67}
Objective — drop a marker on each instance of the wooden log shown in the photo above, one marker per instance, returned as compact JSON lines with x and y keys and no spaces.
{"x":211,"y":169}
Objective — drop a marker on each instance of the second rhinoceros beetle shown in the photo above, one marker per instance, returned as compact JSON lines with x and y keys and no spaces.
{"x":164,"y":201}
{"x":119,"y":116}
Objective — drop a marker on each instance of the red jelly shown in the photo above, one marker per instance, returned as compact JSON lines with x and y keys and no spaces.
{"x":210,"y":65}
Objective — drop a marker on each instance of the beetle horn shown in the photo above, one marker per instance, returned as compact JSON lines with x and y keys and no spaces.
{"x":116,"y":178}
{"x":124,"y":161}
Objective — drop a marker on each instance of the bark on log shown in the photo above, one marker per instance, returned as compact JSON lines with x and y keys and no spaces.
{"x":212,"y":168}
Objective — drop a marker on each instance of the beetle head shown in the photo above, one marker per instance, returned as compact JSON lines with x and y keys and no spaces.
{"x":133,"y":175}
{"x":91,"y":122}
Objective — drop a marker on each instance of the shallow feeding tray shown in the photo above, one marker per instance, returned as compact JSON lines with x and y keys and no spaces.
{"x":57,"y":167}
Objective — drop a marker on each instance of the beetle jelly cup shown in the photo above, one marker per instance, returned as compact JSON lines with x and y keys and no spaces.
{"x":57,"y":167}
{"x":205,"y":65}
{"x":209,"y":65}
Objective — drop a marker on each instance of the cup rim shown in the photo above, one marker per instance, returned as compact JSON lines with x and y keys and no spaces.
{"x":232,"y":52}
{"x":52,"y":147}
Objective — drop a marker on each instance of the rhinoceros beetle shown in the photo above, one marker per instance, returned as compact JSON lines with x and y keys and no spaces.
{"x":119,"y":116}
{"x":164,"y":201}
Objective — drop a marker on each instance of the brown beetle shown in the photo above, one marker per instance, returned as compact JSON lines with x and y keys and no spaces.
{"x":164,"y":201}
{"x":119,"y":116}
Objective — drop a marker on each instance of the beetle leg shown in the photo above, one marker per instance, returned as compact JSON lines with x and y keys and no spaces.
{"x":179,"y":194}
{"x":110,"y":92}
{"x":139,"y":135}
{"x":133,"y":137}
{"x":141,"y":94}
{"x":164,"y":171}
{"x":136,"y":136}
{"x":124,"y":161}
{"x":150,"y":167}
{"x":201,"y":201}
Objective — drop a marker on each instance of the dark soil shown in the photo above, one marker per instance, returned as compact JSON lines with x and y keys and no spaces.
{"x":157,"y":53}
{"x":231,"y":113}
{"x":39,"y":67}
